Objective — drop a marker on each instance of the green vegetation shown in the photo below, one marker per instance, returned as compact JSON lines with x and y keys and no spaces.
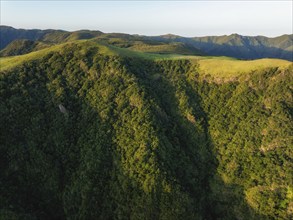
{"x":242,"y":47}
{"x":91,"y":131}
{"x":223,"y":67}
{"x":229,"y":69}
{"x":149,"y":46}
{"x":234,"y":45}
{"x":19,"y":47}
{"x":10,"y":62}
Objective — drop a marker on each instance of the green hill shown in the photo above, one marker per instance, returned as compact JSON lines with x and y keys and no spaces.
{"x":19,"y":47}
{"x":96,"y":131}
{"x":138,"y":43}
{"x":234,"y":45}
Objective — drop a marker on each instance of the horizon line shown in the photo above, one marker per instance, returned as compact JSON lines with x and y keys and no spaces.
{"x":235,"y":33}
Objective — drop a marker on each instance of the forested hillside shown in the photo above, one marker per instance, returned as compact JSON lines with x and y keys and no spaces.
{"x":90,"y":131}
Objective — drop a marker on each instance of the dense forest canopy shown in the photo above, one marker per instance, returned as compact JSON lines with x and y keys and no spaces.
{"x":92,"y":131}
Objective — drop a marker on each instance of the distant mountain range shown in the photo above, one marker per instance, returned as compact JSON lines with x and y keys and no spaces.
{"x":243,"y":47}
{"x":20,"y":41}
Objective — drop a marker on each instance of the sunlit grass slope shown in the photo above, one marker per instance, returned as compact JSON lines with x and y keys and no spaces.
{"x":10,"y":62}
{"x":224,"y":67}
{"x":233,"y":68}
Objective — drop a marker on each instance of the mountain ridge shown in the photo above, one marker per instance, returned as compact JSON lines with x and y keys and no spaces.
{"x":234,"y":45}
{"x":94,"y":131}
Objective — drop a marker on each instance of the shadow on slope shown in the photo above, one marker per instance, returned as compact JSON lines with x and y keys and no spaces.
{"x":186,"y":153}
{"x":238,"y":46}
{"x":132,"y":143}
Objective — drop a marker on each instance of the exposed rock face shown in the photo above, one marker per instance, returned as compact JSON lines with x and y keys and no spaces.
{"x":62,"y":109}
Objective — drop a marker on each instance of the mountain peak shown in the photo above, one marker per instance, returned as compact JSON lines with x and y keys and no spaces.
{"x":169,"y":36}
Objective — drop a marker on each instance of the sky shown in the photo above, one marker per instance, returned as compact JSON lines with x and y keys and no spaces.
{"x":184,"y":18}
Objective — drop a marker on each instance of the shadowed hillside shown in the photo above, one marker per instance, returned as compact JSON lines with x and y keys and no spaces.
{"x":242,"y":47}
{"x":91,"y":131}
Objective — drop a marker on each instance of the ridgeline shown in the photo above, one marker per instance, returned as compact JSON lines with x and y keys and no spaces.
{"x":94,"y":131}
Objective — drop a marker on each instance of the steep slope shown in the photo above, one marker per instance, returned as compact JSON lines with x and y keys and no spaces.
{"x":98,"y":132}
{"x":99,"y":157}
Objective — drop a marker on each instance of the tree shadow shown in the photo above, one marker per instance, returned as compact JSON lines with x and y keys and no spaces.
{"x":189,"y":157}
{"x":59,"y":166}
{"x":54,"y":163}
